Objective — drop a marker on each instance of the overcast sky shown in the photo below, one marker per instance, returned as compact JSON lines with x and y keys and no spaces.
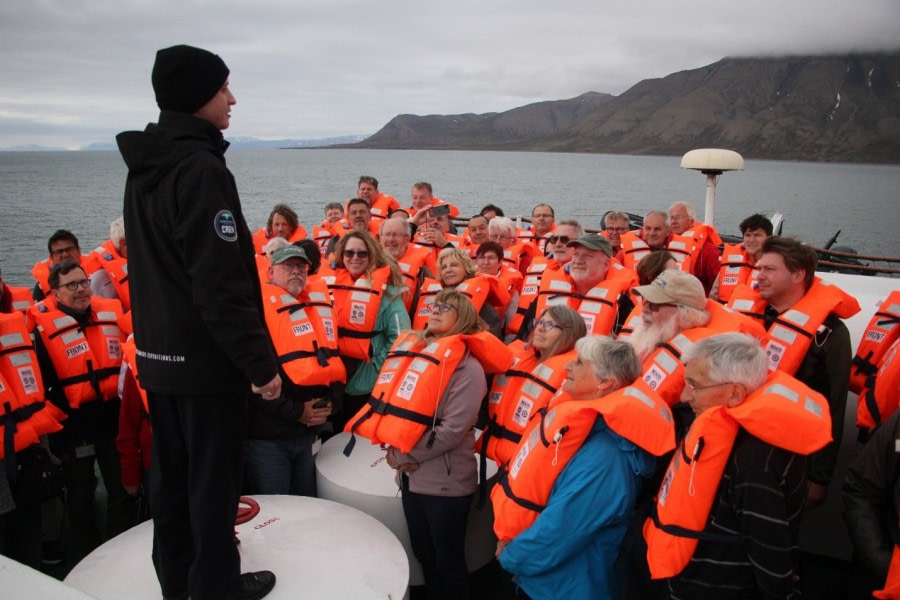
{"x":74,"y":72}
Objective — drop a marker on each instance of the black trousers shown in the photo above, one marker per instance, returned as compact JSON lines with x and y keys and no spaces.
{"x":437,"y":533}
{"x":195,"y":483}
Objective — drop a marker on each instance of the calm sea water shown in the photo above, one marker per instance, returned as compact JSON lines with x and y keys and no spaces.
{"x":82,"y":191}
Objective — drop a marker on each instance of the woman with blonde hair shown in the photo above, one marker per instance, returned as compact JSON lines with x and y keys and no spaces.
{"x":527,"y":387}
{"x":424,"y":406}
{"x":366,"y":286}
{"x":457,"y":271}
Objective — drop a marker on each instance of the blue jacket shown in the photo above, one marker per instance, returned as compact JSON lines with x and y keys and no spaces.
{"x":571,"y":549}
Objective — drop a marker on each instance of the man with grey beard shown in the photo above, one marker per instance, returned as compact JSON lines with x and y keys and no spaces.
{"x":672,"y":303}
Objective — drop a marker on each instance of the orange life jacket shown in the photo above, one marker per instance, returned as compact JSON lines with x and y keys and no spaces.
{"x":412,"y":381}
{"x":435,"y":201}
{"x":108,"y":258}
{"x":891,"y":589}
{"x":556,"y":433}
{"x":737,"y":268}
{"x":21,"y":298}
{"x":411,"y":265}
{"x":880,"y":396}
{"x":478,"y":289}
{"x":531,"y":285}
{"x":525,"y":388}
{"x":794,"y":330}
{"x":663,"y":370}
{"x":24,"y":416}
{"x":701,"y":232}
{"x":784,"y":413}
{"x":518,"y":256}
{"x":356,"y":305}
{"x":41,"y":271}
{"x":382,"y":206}
{"x":87,"y":358}
{"x":598,"y":307}
{"x":420,"y":242}
{"x":263,"y":235}
{"x":303,"y":331}
{"x":322,"y":235}
{"x":538,"y":244}
{"x":682,"y":247}
{"x":635,"y":316}
{"x":129,"y":357}
{"x":881,"y":332}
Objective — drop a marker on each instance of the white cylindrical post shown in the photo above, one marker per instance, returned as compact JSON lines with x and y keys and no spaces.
{"x":709,"y":210}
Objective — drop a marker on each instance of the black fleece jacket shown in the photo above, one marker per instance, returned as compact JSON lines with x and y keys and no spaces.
{"x":195,"y":295}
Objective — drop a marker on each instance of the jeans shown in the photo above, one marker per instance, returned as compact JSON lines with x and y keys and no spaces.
{"x":437,"y":533}
{"x":282,"y":466}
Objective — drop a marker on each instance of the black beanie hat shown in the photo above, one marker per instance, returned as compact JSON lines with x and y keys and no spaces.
{"x":186,"y":78}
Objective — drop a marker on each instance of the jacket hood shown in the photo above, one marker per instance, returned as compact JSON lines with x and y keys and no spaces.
{"x":152,"y":153}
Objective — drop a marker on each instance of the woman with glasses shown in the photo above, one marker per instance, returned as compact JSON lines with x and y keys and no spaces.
{"x":559,"y":254}
{"x":538,"y":370}
{"x":366,"y":285}
{"x":456,"y":271}
{"x":489,"y":262}
{"x":424,"y":407}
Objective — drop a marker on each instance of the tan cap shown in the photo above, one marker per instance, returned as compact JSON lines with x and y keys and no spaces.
{"x":673,"y":285}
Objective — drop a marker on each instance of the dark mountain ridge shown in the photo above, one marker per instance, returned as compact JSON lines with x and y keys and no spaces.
{"x":817,"y":108}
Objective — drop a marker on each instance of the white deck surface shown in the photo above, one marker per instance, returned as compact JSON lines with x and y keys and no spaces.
{"x":317,"y":549}
{"x":365,"y":481}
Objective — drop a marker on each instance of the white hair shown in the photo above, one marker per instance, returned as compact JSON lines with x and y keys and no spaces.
{"x":502,"y":225}
{"x":731,"y":358}
{"x":117,"y":232}
{"x":688,"y":207}
{"x":274,"y":244}
{"x":610,"y":359}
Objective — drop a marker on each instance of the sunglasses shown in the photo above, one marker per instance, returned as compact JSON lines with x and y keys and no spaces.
{"x":356,"y":253}
{"x":559,"y":238}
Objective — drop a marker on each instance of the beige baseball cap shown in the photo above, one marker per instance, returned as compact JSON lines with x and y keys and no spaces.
{"x":673,"y":285}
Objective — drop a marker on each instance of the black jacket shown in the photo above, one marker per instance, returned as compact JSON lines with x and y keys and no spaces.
{"x":195,"y":295}
{"x":872,"y":498}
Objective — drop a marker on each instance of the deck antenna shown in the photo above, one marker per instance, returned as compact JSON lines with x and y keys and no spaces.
{"x":712,"y":162}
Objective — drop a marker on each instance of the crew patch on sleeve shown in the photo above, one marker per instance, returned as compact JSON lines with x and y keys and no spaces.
{"x":225,"y":226}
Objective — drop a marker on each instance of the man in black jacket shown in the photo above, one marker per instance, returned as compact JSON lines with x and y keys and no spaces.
{"x":198,"y":326}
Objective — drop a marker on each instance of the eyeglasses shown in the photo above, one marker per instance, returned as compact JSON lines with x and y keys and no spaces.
{"x":677,"y":217}
{"x":496,"y":236}
{"x":563,"y":239}
{"x":356,"y":253}
{"x":617,"y":229}
{"x":442,"y":308}
{"x":294,"y":266}
{"x":391,"y":234}
{"x":657,"y":306}
{"x":545,"y":324}
{"x":64,"y":251}
{"x":74,"y":285}
{"x":697,"y":388}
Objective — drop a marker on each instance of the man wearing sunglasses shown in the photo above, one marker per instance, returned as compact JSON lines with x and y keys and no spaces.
{"x":78,"y":346}
{"x":559,"y":253}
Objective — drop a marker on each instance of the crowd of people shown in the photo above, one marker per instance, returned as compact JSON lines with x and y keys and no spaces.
{"x":663,"y":408}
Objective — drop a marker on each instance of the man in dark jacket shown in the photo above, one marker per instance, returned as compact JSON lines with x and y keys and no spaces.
{"x":198,"y":325}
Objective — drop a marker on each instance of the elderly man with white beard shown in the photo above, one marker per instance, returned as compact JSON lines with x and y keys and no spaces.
{"x":677,"y":314}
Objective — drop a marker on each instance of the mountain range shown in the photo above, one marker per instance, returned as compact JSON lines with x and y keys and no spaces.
{"x":813,"y":108}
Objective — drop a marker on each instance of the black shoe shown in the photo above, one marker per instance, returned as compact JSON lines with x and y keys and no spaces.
{"x":52,"y":553}
{"x":255,"y":585}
